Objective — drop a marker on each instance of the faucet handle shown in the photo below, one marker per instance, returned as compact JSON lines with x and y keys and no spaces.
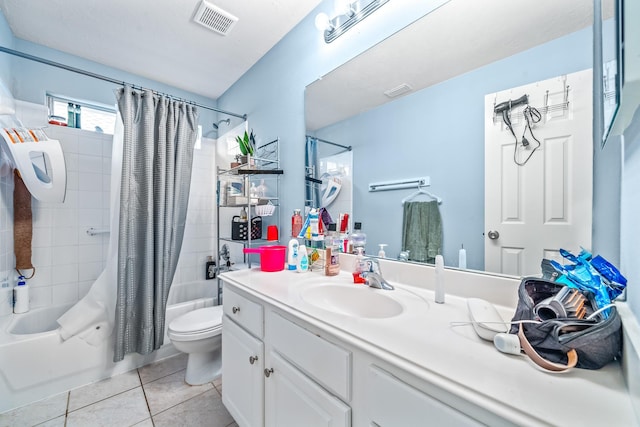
{"x":371,"y":265}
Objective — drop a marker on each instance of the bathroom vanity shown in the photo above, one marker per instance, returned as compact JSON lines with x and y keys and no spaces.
{"x":306,"y":349}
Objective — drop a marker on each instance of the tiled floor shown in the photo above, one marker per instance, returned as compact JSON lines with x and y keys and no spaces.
{"x":154,"y":395}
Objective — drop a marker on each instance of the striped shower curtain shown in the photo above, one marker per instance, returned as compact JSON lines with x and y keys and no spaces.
{"x":159,"y":137}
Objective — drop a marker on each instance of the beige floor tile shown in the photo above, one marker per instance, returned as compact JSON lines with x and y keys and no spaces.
{"x":203,"y":410}
{"x":36,"y":413}
{"x":145,"y":423}
{"x":217,"y":383}
{"x":123,"y":410}
{"x":171,"y":390}
{"x":95,"y":392}
{"x":56,"y":422}
{"x":163,"y":368}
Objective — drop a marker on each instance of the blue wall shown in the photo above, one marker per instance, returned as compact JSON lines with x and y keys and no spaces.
{"x":441,"y":134}
{"x":272,"y":91}
{"x":447,"y":117}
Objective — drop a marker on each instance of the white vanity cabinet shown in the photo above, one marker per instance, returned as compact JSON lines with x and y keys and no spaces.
{"x":243,"y":359}
{"x":278,"y":374}
{"x":306,"y":374}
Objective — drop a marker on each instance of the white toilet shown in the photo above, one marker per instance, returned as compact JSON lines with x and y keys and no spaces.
{"x":199,"y":334}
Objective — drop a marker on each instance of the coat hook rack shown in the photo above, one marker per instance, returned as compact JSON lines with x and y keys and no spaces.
{"x":563,"y":106}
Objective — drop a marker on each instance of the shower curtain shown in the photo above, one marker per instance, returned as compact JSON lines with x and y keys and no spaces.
{"x":312,"y":163}
{"x":159,"y":137}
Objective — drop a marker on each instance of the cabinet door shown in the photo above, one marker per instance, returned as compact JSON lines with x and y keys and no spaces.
{"x":242,"y":374}
{"x":293,"y":400}
{"x":391,"y":402}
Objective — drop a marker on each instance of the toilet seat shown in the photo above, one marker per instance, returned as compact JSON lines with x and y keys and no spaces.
{"x":197,"y":324}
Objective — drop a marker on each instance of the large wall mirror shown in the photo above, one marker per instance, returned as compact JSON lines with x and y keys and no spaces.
{"x":414,"y":106}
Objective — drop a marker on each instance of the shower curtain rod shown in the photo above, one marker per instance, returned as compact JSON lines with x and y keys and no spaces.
{"x":348,"y":148}
{"x":110,"y":80}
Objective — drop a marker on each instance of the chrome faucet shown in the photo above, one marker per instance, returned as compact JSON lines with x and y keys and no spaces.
{"x":372,"y":275}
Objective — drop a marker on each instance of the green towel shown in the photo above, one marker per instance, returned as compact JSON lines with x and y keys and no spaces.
{"x":422,"y":231}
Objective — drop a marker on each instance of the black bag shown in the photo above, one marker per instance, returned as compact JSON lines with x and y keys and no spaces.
{"x":596,"y":342}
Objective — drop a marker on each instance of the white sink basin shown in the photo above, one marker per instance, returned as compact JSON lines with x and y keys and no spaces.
{"x":353,"y":300}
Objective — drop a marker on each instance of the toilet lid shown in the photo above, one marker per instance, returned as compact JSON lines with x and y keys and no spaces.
{"x":198,"y":320}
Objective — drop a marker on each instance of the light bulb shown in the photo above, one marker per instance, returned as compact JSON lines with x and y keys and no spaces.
{"x":322,"y":21}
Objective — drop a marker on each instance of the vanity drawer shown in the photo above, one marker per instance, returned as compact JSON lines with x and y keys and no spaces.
{"x":391,"y":402}
{"x":325,"y":362}
{"x":244,"y":312}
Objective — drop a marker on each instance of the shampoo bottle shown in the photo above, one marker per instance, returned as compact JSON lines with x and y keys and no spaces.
{"x":303,"y":259}
{"x":21,"y":296}
{"x":292,"y":255}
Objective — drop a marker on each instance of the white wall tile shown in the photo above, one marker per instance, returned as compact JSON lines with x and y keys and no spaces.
{"x":90,"y":253}
{"x":65,"y":293}
{"x":90,"y":199}
{"x":40,"y":297}
{"x":90,"y":217}
{"x":90,"y":181}
{"x":90,"y":270}
{"x":63,"y":255}
{"x":42,"y":278}
{"x":64,"y":236}
{"x":42,"y":256}
{"x":64,"y":274}
{"x":88,"y":163}
{"x":65,"y":217}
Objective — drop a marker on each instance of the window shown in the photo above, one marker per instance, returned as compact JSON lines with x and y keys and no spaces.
{"x":93,"y":116}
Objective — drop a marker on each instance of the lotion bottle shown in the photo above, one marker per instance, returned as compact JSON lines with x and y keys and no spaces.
{"x":303,"y":259}
{"x":292,"y":255}
{"x":21,"y":296}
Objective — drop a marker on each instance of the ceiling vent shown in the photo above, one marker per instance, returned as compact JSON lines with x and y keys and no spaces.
{"x":398,"y":90}
{"x":214,"y":18}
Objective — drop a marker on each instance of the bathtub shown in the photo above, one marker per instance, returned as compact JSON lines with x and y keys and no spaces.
{"x":35,"y":363}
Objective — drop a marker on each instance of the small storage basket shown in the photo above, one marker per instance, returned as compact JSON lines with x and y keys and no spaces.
{"x":239,"y":229}
{"x":265,"y":210}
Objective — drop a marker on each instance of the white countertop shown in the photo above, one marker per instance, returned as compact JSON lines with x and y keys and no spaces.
{"x":423,"y":341}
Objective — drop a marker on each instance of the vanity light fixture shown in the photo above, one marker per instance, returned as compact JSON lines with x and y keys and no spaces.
{"x":354,"y":12}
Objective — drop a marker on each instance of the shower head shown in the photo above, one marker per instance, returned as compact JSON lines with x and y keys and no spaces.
{"x":216,"y":125}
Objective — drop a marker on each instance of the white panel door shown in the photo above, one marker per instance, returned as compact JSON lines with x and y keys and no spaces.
{"x":533,"y":210}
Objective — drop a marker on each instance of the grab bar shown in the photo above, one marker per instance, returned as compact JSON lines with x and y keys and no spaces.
{"x":93,"y":231}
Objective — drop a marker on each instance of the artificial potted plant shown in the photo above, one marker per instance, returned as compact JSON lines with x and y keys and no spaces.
{"x":247,"y":145}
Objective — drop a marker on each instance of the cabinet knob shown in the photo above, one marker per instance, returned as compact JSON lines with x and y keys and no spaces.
{"x":235,"y":309}
{"x":253,"y":359}
{"x":268,"y":372}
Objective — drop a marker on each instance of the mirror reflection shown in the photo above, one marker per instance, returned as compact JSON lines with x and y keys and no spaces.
{"x":414,"y":106}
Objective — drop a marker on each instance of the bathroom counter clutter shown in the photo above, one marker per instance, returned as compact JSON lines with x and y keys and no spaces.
{"x":406,"y":332}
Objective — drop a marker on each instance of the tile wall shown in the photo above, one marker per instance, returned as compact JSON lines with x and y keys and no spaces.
{"x":67,"y":259}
